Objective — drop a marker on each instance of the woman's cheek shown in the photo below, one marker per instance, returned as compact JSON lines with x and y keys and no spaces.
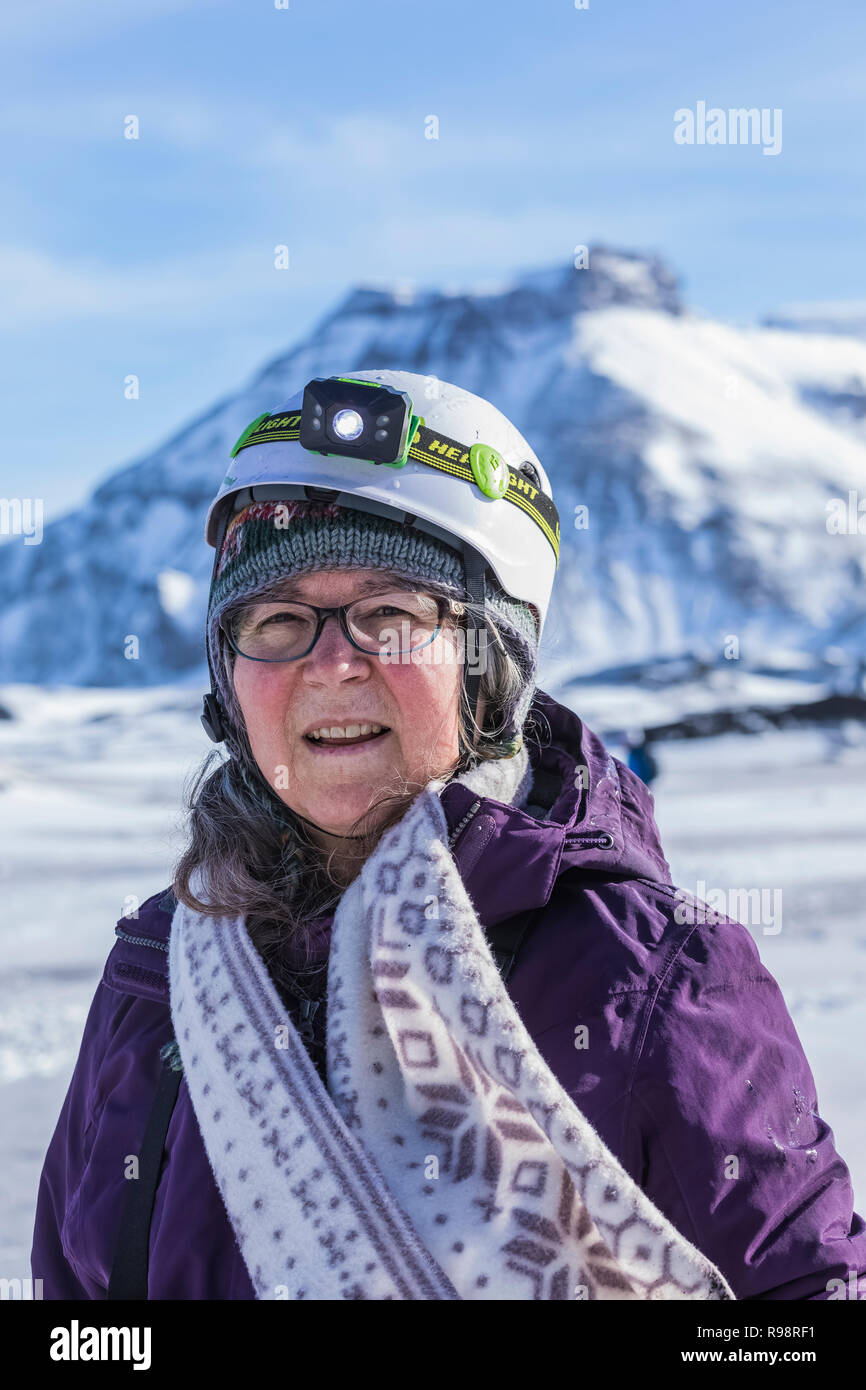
{"x":430,"y":714}
{"x":264,"y":701}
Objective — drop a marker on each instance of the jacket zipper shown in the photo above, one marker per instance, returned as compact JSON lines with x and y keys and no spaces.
{"x":600,"y":839}
{"x":461,"y":823}
{"x":591,"y":839}
{"x":140,"y":940}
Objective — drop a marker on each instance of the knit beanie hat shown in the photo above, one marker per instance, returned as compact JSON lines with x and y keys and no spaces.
{"x":267,"y":541}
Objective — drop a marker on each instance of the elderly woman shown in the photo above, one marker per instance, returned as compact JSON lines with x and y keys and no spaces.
{"x":422,"y":1015}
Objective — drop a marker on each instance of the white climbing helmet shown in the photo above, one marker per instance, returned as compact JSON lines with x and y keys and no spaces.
{"x":398,"y":444}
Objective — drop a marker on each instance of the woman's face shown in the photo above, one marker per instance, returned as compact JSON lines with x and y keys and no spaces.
{"x":335,"y":684}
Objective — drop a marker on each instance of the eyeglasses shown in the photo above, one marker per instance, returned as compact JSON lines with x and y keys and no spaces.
{"x":383,"y":625}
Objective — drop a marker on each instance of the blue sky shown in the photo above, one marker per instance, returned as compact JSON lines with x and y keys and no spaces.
{"x":305,"y":127}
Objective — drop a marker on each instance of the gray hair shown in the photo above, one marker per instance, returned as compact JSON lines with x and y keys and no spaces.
{"x":256,"y":859}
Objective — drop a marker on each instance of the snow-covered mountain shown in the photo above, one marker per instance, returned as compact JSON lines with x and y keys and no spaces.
{"x":706,"y":456}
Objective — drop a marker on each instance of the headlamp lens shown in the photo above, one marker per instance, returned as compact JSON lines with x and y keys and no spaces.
{"x":347,"y":424}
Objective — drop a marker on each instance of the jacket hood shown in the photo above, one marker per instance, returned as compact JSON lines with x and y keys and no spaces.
{"x":586,"y":811}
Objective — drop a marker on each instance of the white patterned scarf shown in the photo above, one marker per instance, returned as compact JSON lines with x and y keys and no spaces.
{"x":444,"y":1159}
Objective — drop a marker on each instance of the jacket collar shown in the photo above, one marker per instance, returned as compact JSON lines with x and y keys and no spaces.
{"x":597,"y":816}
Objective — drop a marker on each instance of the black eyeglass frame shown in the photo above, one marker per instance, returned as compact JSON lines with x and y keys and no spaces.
{"x":340,"y":612}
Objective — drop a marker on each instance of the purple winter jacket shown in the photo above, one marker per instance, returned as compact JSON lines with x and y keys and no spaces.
{"x":692,"y":1055}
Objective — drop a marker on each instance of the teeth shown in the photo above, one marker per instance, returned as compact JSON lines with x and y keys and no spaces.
{"x":350,"y":731}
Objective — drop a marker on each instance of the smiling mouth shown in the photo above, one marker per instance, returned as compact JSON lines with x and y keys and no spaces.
{"x":346,"y":742}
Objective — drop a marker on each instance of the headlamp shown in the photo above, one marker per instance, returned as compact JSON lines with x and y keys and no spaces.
{"x":359,"y":419}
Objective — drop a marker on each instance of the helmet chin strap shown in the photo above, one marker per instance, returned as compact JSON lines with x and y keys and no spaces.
{"x":212,"y":715}
{"x":475,"y":565}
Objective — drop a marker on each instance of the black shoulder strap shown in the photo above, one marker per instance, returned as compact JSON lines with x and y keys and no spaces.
{"x":129,"y":1272}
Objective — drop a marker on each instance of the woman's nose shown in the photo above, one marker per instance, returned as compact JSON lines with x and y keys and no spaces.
{"x":333,"y":648}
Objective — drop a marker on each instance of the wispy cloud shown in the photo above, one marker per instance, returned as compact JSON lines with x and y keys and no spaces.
{"x":52,"y":25}
{"x":251,"y":135}
{"x":40,"y":289}
{"x":417,"y":245}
